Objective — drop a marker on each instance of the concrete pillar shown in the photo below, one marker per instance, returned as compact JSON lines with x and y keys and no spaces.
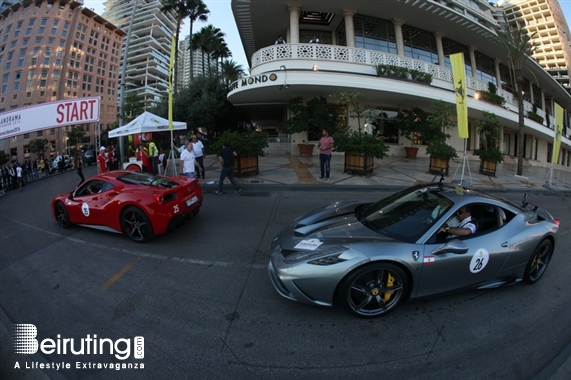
{"x":498,"y":74}
{"x":543,"y":101}
{"x":349,"y":26}
{"x":398,"y":34}
{"x":473,"y":61}
{"x":439,"y":47}
{"x":294,"y":11}
{"x":531,"y":96}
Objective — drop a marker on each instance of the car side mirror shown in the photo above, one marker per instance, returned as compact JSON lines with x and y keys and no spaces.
{"x":452,"y":246}
{"x":70,"y":196}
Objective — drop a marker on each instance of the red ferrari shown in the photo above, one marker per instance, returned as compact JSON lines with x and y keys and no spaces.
{"x":140,"y":205}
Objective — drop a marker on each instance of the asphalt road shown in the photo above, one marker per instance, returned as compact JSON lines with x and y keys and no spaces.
{"x":201,"y":298}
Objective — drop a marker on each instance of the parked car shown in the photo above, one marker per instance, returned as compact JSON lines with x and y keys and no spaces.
{"x":89,"y":157}
{"x":140,"y":205}
{"x":67,"y":163}
{"x":370,"y":257}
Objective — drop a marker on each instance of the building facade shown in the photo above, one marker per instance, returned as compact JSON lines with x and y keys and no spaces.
{"x":354,"y":37}
{"x":200,"y":63}
{"x":147,"y":70}
{"x":55,"y":51}
{"x":546,"y":24}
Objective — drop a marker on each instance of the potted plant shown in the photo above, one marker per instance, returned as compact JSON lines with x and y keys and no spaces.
{"x":360,"y":150}
{"x":248,"y":147}
{"x":489,"y":152}
{"x":360,"y":147}
{"x":310,"y":117}
{"x":492,"y":96}
{"x":533,"y":115}
{"x":439,"y":121}
{"x":411,"y":123}
{"x":398,"y":72}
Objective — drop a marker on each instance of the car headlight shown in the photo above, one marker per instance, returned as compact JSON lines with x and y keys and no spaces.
{"x":322,"y":257}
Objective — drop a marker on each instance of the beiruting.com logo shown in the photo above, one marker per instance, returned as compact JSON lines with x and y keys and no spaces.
{"x":25,"y":342}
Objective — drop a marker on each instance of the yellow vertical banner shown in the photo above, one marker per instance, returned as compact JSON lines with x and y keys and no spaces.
{"x":558,"y":133}
{"x":459,"y":79}
{"x":171,"y":75}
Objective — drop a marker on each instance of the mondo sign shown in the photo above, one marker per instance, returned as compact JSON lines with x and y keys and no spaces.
{"x":49,"y":115}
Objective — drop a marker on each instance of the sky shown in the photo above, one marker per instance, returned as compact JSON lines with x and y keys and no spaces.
{"x":221,"y":17}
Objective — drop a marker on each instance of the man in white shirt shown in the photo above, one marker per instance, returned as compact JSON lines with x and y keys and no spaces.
{"x":198,"y":150}
{"x":465,"y":226}
{"x":187,"y":161}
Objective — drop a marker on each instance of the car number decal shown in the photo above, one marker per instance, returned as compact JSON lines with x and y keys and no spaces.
{"x":85,"y":209}
{"x":310,"y":244}
{"x":479,"y":260}
{"x":175,"y":209}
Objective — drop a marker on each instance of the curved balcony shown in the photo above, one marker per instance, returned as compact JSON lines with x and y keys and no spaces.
{"x":357,"y":61}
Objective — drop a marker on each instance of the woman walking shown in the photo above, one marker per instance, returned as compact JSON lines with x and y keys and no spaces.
{"x":79,"y":165}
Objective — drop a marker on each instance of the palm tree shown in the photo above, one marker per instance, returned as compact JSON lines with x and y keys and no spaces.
{"x":231,"y":71}
{"x":181,"y":9}
{"x":197,"y":11}
{"x":517,"y":44}
{"x":199,"y":42}
{"x":221,"y":51}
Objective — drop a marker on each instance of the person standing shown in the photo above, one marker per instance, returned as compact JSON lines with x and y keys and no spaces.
{"x":314,"y":40}
{"x":198,"y":150}
{"x":280,"y":40}
{"x":79,"y":165}
{"x":226,"y":158}
{"x":154,"y":154}
{"x":19,"y":176}
{"x":110,"y":158}
{"x":142,"y":156}
{"x":101,"y":162}
{"x":325,"y":147}
{"x":187,"y":160}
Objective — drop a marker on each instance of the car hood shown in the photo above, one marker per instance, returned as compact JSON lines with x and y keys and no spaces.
{"x":331,"y":225}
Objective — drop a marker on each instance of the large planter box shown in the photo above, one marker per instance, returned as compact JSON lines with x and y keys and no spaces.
{"x":246,"y":165}
{"x":306,"y":149}
{"x":437,"y":164}
{"x":358,"y":163}
{"x":488,"y":167}
{"x":410,"y":151}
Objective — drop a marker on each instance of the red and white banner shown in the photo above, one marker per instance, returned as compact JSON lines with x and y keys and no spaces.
{"x":49,"y":115}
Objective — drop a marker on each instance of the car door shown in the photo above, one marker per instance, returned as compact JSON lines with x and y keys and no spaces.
{"x":458,"y":263}
{"x":91,"y":198}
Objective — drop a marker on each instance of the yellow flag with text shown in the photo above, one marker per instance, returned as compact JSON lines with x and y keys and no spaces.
{"x":171,"y":75}
{"x":459,"y":79}
{"x":558,"y":133}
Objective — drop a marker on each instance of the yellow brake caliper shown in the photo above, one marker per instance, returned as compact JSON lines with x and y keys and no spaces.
{"x":390,"y":284}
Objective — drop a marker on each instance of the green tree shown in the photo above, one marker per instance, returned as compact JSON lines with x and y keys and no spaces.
{"x":517,"y":44}
{"x":4,"y":158}
{"x":208,"y":40}
{"x":197,"y":11}
{"x":356,"y":103}
{"x":231,"y":71}
{"x":312,"y":117}
{"x":75,"y":135}
{"x":38,"y":146}
{"x":184,"y":9}
{"x":132,"y":107}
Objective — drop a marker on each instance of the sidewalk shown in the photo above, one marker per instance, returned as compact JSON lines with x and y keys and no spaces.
{"x":393,"y":172}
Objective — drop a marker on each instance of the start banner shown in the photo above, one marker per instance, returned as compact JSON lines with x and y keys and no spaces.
{"x":49,"y":115}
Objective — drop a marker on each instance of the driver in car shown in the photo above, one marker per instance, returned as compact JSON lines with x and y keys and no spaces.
{"x":465,"y":225}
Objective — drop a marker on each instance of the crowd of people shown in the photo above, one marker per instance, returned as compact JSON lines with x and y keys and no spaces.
{"x":14,"y":174}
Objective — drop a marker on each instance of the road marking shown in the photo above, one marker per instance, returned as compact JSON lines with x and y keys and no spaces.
{"x":154,"y":256}
{"x":120,"y":274}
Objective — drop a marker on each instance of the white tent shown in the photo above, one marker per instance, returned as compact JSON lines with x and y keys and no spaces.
{"x":144,"y":123}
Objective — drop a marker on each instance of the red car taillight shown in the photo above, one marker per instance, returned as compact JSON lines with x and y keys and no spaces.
{"x":159,"y":198}
{"x":557,"y":222}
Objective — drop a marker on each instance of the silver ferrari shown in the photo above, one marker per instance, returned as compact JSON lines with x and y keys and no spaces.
{"x":370,"y":257}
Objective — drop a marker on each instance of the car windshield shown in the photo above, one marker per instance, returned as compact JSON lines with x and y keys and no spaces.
{"x":406,"y":215}
{"x":138,"y":178}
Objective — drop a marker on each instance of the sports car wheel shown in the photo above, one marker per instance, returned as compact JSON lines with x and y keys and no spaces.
{"x":136,"y":225}
{"x":374,"y":290}
{"x":538,"y":262}
{"x":62,"y":215}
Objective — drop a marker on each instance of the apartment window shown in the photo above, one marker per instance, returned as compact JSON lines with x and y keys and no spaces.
{"x":44,"y":74}
{"x":41,"y":30}
{"x":62,"y":43}
{"x":56,"y":74}
{"x":40,"y":133}
{"x":18,"y":25}
{"x":58,"y":62}
{"x":8,"y":65}
{"x":372,"y":33}
{"x":56,"y":23}
{"x":452,"y":47}
{"x":48,"y":52}
{"x":25,"y":41}
{"x":44,"y":22}
{"x":31,"y":22}
{"x":31,"y":74}
{"x":38,"y":40}
{"x":10,"y":55}
{"x":485,"y":68}
{"x":26,"y":136}
{"x":21,"y":62}
{"x":4,"y":89}
{"x":46,"y":61}
{"x":16,"y":86}
{"x":28,"y":31}
{"x":53,"y":32}
{"x":16,"y":34}
{"x":43,"y":83}
{"x":419,"y":44}
{"x":34,"y":62}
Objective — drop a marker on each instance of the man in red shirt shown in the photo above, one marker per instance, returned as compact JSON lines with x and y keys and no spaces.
{"x":325,"y":147}
{"x":110,"y":158}
{"x":101,"y":161}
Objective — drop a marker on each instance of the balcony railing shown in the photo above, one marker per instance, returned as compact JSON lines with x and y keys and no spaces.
{"x":344,"y":54}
